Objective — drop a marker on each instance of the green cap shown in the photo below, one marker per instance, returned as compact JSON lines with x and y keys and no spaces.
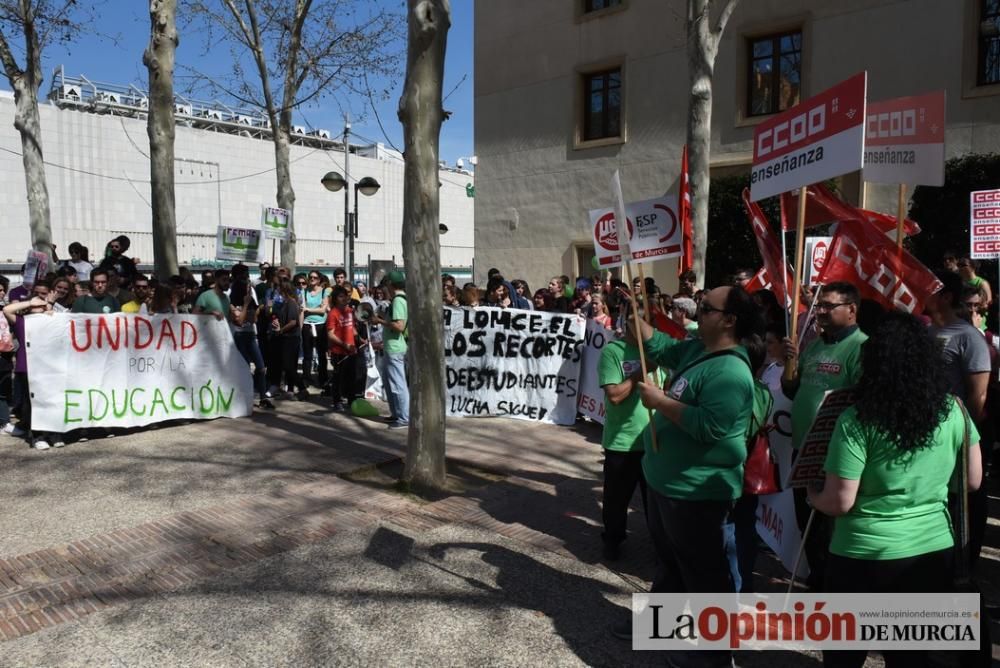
{"x":396,"y":277}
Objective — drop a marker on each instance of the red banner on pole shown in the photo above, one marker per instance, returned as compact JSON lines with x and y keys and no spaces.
{"x":823,"y":207}
{"x":864,"y":257}
{"x":775,"y":265}
{"x":684,"y":204}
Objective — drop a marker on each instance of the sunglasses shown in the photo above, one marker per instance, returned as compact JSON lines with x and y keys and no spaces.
{"x":705,"y":308}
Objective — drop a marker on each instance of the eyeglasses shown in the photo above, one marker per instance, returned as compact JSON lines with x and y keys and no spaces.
{"x":705,"y":308}
{"x":301,"y":283}
{"x":99,"y":282}
{"x":314,"y":278}
{"x":139,"y":286}
{"x":829,"y":306}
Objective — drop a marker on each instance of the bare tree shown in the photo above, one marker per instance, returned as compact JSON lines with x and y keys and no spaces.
{"x":300,"y":51}
{"x":159,"y":60}
{"x":421,"y":113}
{"x":39,"y":22}
{"x":703,"y":36}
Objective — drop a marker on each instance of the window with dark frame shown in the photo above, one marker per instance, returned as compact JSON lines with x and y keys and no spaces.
{"x":988,"y":63}
{"x":598,"y":5}
{"x":774,"y":73}
{"x":602,"y":104}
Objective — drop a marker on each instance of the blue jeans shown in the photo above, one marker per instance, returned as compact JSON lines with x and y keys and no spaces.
{"x":396,"y":389}
{"x":246,"y":343}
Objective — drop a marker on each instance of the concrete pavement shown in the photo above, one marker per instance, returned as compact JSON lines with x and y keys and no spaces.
{"x":277,"y":540}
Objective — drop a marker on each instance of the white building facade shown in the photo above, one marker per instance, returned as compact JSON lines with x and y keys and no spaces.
{"x":98,"y":181}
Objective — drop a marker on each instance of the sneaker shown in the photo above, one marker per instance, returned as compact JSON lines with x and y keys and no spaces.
{"x":391,"y":419}
{"x":303,"y":394}
{"x":623,"y":629}
{"x":399,"y":425}
{"x":13,"y":430}
{"x":339,"y":406}
{"x":40,"y":444}
{"x":59,"y":443}
{"x":266,"y":403}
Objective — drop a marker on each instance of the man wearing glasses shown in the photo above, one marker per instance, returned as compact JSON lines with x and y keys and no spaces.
{"x":830,"y":362}
{"x":98,"y":301}
{"x":140,"y":305}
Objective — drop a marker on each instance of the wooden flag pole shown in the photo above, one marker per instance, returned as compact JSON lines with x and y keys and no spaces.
{"x":800,"y":243}
{"x":642,"y":355}
{"x":864,"y":195}
{"x":645,"y":295}
{"x":900,"y":218}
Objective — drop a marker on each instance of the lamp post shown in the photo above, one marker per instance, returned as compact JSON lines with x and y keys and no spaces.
{"x":368,"y":186}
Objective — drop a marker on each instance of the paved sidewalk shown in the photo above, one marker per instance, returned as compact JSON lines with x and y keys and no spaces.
{"x":275,"y":540}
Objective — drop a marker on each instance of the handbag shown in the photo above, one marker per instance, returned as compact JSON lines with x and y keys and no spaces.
{"x":760,"y":472}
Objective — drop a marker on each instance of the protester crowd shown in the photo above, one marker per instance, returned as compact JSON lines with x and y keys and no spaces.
{"x":295,"y":332}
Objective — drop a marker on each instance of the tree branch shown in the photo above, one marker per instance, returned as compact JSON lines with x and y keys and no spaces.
{"x":10,"y":66}
{"x":727,"y":13}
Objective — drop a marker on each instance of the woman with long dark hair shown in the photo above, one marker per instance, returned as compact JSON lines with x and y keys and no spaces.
{"x":888,"y":468}
{"x":285,"y":333}
{"x":243,"y":305}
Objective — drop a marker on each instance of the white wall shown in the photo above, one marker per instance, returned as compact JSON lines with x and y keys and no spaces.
{"x":220,"y":179}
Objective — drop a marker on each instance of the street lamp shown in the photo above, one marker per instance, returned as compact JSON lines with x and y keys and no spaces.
{"x":368,"y":186}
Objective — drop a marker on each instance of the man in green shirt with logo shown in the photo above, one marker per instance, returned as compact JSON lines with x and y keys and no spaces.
{"x":214,"y":301}
{"x":395,"y":347}
{"x":625,"y":418}
{"x":830,"y":362}
{"x":98,"y":301}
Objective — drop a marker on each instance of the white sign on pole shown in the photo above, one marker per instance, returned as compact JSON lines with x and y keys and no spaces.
{"x":512,"y":363}
{"x":904,"y":140}
{"x":275,"y":222}
{"x":238,"y":244}
{"x":595,"y":338}
{"x":816,"y":250}
{"x":654,"y":231}
{"x":984,"y":224}
{"x":123,"y":370}
{"x":816,"y":140}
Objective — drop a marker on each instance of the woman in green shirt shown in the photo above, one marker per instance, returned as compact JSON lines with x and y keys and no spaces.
{"x":890,"y":459}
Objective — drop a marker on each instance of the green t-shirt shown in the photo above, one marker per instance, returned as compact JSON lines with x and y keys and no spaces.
{"x":902,"y":504}
{"x":393,"y":341}
{"x":702,"y":457}
{"x":624,"y":422}
{"x":824,"y":366}
{"x":94,"y":304}
{"x":210,"y":302}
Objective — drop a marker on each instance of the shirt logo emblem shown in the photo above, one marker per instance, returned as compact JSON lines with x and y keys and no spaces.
{"x":677,"y":389}
{"x":830,"y":368}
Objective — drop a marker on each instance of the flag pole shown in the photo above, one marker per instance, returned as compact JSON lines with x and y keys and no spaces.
{"x":784,"y":260}
{"x":621,"y":228}
{"x":800,"y":242}
{"x":900,"y":218}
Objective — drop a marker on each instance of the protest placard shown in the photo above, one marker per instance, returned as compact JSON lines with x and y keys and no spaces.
{"x":595,"y":337}
{"x":816,"y":251}
{"x":776,"y":524}
{"x":605,"y":235}
{"x":816,"y":140}
{"x":36,"y":265}
{"x":513,"y":363}
{"x":984,"y":224}
{"x":123,"y":370}
{"x":275,"y":222}
{"x":904,"y":140}
{"x":808,"y":467}
{"x":238,"y":244}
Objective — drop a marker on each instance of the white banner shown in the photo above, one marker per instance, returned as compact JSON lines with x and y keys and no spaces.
{"x":776,"y":523}
{"x":239,"y":244}
{"x":275,"y":222}
{"x":595,"y":338}
{"x":512,"y":363}
{"x":123,"y":370}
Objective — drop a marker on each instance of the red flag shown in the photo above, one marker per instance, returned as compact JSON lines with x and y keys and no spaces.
{"x":760,"y":281}
{"x":684,"y":202}
{"x":823,"y":207}
{"x":669,"y":327}
{"x":777,"y":268}
{"x":869,"y":260}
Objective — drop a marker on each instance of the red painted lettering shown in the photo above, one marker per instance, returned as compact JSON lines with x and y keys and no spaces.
{"x":72,"y":335}
{"x":189,"y":335}
{"x":103,"y":330}
{"x":143,"y":323}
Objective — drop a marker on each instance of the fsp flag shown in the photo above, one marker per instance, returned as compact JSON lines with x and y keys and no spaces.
{"x":654,"y":226}
{"x":818,"y":139}
{"x":861,"y":255}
